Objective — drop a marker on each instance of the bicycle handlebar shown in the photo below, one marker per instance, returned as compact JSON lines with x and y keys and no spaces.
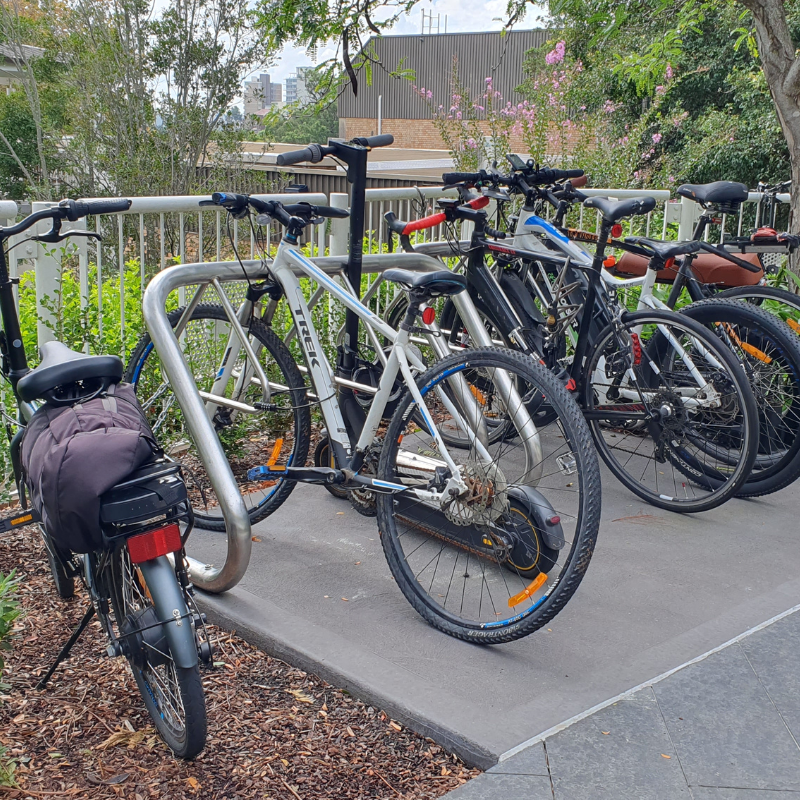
{"x":316,"y":152}
{"x":431,"y":221}
{"x":70,"y":210}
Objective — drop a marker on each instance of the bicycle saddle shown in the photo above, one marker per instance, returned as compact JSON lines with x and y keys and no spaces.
{"x":60,"y":366}
{"x":665,"y":250}
{"x":615,"y":210}
{"x":713,"y":193}
{"x":431,"y":284}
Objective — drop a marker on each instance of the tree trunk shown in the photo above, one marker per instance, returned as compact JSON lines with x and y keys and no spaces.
{"x":782,"y":70}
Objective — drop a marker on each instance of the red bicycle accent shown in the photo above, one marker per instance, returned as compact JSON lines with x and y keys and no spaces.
{"x":637,"y":350}
{"x":437,"y":219}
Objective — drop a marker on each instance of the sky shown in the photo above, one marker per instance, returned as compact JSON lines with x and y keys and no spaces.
{"x":462,"y":16}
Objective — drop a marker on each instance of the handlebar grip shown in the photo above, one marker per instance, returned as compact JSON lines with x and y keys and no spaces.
{"x":425,"y":223}
{"x":460,"y":177}
{"x":109,"y":206}
{"x":312,"y":153}
{"x":381,"y":140}
{"x":230,"y":199}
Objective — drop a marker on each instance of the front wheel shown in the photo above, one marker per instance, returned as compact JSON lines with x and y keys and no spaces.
{"x":501,"y":559}
{"x":173,"y":695}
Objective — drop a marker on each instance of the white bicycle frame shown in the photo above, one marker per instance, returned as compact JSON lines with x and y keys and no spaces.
{"x":400,"y":360}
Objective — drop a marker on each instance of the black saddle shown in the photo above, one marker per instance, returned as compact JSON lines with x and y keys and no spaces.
{"x":665,"y":250}
{"x":431,"y":284}
{"x":615,"y":210}
{"x":61,"y":366}
{"x":717,"y":193}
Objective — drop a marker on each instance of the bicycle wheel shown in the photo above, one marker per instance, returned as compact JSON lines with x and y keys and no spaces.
{"x":779,"y":302}
{"x":770,"y":354}
{"x":671,"y":411}
{"x":500,"y":562}
{"x":173,"y":695}
{"x":280,"y":435}
{"x":56,"y":558}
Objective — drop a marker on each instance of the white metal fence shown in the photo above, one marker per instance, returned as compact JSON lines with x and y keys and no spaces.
{"x":160,"y":231}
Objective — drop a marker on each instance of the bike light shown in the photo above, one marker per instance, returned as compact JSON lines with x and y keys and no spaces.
{"x":150,"y":545}
{"x":616,"y":230}
{"x":429,"y":315}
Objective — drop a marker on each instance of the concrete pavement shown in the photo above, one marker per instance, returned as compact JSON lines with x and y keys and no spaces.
{"x":661,"y":590}
{"x":723,"y":728}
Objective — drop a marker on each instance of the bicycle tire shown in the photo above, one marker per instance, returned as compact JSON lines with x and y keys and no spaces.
{"x":129,"y":594}
{"x":64,"y":583}
{"x":298,"y":427}
{"x":757,"y":295}
{"x":575,"y":437}
{"x":776,"y":385}
{"x":668,"y":442}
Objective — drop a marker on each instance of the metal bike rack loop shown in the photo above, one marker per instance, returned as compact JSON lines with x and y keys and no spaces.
{"x":209,"y":577}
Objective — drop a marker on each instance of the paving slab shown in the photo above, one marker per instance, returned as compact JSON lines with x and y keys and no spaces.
{"x":661,"y":589}
{"x":725,"y":727}
{"x":504,"y":787}
{"x":624,"y":750}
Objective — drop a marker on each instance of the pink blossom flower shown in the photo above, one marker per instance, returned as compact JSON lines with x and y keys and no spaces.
{"x":668,"y":72}
{"x":657,"y":138}
{"x":671,"y":179}
{"x":660,"y":90}
{"x":556,"y":55}
{"x":458,"y":115}
{"x":636,"y":174}
{"x":471,"y":143}
{"x":487,"y":80}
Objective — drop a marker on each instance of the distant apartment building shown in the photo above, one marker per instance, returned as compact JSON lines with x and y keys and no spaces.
{"x":297,"y":90}
{"x":260,"y":93}
{"x":402,"y":111}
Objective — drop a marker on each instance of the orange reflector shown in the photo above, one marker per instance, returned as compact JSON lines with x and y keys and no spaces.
{"x":793,"y":325}
{"x":150,"y":545}
{"x":429,"y":315}
{"x":276,"y":451}
{"x":528,"y":591}
{"x":478,"y":394}
{"x":611,"y":261}
{"x":756,"y":353}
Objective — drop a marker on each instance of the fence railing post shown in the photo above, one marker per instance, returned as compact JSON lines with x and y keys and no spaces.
{"x":690,"y":212}
{"x":47,"y":269}
{"x":340,"y":228}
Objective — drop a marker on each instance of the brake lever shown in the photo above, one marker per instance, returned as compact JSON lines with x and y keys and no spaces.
{"x":54,"y":237}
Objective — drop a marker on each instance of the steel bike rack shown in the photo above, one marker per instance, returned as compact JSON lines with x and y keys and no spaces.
{"x":209,"y":577}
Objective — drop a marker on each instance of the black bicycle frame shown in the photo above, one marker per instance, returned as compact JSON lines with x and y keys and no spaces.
{"x":12,"y":348}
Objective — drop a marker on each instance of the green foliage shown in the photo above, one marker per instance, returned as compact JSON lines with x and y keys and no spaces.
{"x":303,"y":125}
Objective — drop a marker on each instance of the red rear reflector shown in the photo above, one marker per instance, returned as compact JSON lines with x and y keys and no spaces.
{"x":553,"y":520}
{"x":150,"y":545}
{"x":616,"y":231}
{"x":429,"y":315}
{"x":611,"y":261}
{"x":669,"y":263}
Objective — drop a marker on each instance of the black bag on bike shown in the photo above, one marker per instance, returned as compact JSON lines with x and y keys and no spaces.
{"x":72,"y":455}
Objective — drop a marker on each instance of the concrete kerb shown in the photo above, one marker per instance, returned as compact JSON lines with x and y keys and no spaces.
{"x":234,"y":611}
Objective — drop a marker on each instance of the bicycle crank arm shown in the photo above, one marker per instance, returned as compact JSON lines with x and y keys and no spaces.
{"x":301,"y":474}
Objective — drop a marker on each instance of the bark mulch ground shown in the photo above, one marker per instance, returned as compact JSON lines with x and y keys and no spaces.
{"x":274,"y":731}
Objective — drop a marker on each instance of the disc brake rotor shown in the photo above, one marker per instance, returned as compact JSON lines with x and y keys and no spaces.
{"x":486,"y":497}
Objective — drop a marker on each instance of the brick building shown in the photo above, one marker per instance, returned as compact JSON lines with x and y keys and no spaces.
{"x":402,"y":112}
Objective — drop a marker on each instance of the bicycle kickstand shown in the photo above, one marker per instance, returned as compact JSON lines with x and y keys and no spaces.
{"x":87,"y":618}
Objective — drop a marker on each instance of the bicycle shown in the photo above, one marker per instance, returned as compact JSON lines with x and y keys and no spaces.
{"x":488,"y":543}
{"x":142,"y":599}
{"x":647,"y":402}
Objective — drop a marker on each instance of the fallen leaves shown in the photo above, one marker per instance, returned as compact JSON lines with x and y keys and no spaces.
{"x":274,"y":730}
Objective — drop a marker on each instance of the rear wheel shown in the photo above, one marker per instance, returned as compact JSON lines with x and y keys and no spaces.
{"x":770,"y":353}
{"x":500,"y":561}
{"x":779,"y":302}
{"x":173,"y":695}
{"x":671,"y":411}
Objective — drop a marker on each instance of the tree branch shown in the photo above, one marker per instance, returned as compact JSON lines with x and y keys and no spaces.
{"x":16,"y":158}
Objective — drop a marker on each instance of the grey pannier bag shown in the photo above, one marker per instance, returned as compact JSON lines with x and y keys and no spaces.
{"x":72,"y":455}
